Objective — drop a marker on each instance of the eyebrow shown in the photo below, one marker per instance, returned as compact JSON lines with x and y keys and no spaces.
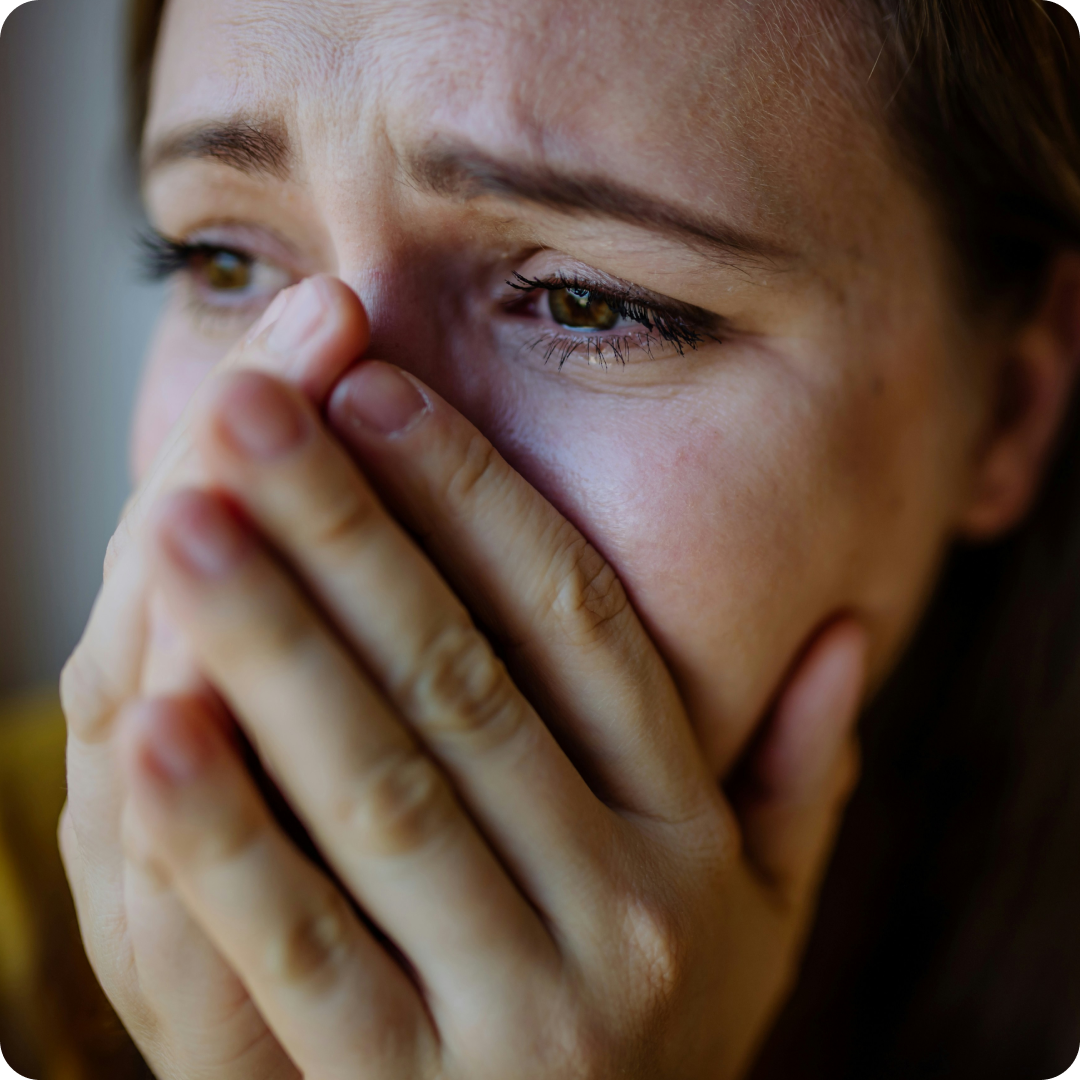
{"x":262,"y":149}
{"x":467,"y":173}
{"x":255,"y":148}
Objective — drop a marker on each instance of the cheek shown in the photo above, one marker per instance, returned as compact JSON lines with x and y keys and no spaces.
{"x":701,"y":501}
{"x":741,"y":516}
{"x":177,"y":363}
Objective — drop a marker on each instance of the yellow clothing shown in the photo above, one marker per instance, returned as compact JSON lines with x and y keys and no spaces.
{"x":55,"y":1023}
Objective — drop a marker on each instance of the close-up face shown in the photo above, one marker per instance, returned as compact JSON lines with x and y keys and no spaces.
{"x":696,"y":303}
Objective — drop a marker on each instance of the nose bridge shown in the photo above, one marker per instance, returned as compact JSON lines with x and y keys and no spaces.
{"x":358,"y":195}
{"x":379,"y":251}
{"x":386,"y":239}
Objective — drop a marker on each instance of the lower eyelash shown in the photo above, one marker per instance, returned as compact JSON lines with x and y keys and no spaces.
{"x":596,"y":349}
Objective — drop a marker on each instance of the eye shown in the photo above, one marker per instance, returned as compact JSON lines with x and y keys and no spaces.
{"x":581,"y":309}
{"x":224,"y":271}
{"x":609,"y":323}
{"x":220,"y":278}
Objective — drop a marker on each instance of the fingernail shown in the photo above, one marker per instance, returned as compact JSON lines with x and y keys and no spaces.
{"x":176,"y":752}
{"x":271,"y":314}
{"x":303,"y":310}
{"x":202,"y":537}
{"x":379,"y":398}
{"x":259,"y":418}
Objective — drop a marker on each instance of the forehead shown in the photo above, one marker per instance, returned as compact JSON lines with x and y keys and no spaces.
{"x":721,"y":103}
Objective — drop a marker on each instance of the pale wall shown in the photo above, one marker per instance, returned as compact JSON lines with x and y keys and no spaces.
{"x":73,"y":322}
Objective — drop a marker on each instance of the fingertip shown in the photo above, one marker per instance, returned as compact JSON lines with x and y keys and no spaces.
{"x":817,"y":710}
{"x":197,"y":535}
{"x":167,"y":743}
{"x":311,"y":334}
{"x":253,"y":416}
{"x":808,"y":763}
{"x":841,"y":653}
{"x":347,"y":336}
{"x":377,"y":399}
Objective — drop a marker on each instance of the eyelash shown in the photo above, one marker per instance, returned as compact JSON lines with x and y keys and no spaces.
{"x":670,"y":327}
{"x":225,"y":285}
{"x":163,"y":258}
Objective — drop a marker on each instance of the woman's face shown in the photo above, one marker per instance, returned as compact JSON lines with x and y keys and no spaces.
{"x":739,"y":372}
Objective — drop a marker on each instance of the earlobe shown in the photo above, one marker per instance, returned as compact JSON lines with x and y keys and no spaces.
{"x":1035,"y":386}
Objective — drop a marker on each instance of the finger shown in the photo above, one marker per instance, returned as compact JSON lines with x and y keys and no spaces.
{"x":572,"y":639}
{"x":309,"y":336}
{"x":795,"y":784}
{"x":206,"y":1025}
{"x":206,"y":1022}
{"x":180,"y":1001}
{"x":340,"y":1006}
{"x":113,"y":661}
{"x":264,"y":445}
{"x":102,"y":673}
{"x":312,"y":350}
{"x":380,"y":809}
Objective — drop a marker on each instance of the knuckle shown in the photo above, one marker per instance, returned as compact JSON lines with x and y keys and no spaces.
{"x":588,"y":599}
{"x":658,"y":950}
{"x":119,"y":542}
{"x":462,"y":689}
{"x":308,"y":948}
{"x":272,"y":625}
{"x":233,"y":837}
{"x":477,"y":469}
{"x":87,"y":698}
{"x":584,"y":1050}
{"x":401,"y":806}
{"x":343,"y":522}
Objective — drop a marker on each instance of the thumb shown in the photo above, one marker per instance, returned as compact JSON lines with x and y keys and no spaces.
{"x":797,"y":779}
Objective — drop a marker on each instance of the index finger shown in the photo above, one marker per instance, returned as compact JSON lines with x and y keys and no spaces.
{"x":553,"y":602}
{"x":309,"y":336}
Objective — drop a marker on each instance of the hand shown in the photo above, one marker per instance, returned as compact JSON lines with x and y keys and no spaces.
{"x":539,"y":924}
{"x":188,"y":1012}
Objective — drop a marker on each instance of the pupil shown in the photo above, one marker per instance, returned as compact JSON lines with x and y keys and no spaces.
{"x":580,"y":309}
{"x":227,"y":272}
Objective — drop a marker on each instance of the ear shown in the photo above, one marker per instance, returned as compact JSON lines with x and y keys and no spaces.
{"x":1034,"y":388}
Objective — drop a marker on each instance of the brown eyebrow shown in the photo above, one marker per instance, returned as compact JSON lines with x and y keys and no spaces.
{"x":464,"y":172}
{"x":260,"y":149}
{"x":467,"y":173}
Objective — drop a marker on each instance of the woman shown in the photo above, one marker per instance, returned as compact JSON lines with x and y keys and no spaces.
{"x":561,"y":423}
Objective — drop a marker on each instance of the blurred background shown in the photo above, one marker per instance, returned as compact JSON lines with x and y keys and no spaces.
{"x":74,"y":320}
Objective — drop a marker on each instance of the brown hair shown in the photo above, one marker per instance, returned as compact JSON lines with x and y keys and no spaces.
{"x":983,"y":97}
{"x":948,"y":940}
{"x":947,"y":943}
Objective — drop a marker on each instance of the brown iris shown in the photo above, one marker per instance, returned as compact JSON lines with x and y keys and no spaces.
{"x":580,"y":309}
{"x":226,"y":271}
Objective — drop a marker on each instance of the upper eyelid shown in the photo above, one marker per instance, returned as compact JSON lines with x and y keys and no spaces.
{"x":615,"y":289}
{"x":259,"y":241}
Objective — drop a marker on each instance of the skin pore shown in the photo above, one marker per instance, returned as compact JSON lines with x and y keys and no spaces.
{"x":813,"y":454}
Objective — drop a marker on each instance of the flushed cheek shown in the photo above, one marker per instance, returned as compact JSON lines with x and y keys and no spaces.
{"x":722,"y":557}
{"x":717,"y":542}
